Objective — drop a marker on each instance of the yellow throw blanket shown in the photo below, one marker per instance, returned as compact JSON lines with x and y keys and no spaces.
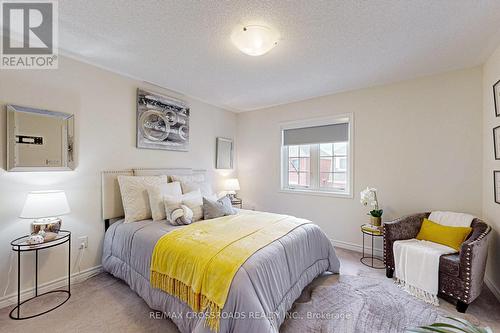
{"x":197,"y":263}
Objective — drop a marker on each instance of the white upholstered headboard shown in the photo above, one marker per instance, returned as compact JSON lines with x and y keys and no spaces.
{"x":111,"y":200}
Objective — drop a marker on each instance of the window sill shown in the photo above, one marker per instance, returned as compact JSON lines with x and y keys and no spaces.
{"x":317,"y":193}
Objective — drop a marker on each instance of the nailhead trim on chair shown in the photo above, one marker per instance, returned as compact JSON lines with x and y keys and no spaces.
{"x":385,"y":249}
{"x":465,"y":297}
{"x":468,"y":264}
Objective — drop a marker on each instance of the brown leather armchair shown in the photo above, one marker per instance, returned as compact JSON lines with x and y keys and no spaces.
{"x":460,"y":274}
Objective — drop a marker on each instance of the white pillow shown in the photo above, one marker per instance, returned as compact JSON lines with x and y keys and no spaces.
{"x":157,"y":193}
{"x":193,"y":200}
{"x":190,"y":183}
{"x":135,"y":197}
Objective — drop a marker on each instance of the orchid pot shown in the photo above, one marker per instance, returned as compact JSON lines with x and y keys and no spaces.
{"x":376,"y":220}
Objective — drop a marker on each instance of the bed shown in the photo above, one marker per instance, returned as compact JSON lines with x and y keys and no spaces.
{"x":262,"y":291}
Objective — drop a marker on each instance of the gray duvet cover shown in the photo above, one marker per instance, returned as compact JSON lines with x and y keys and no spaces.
{"x":261,"y":293}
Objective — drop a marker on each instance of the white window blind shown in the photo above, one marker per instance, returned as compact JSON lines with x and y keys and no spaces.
{"x":316,"y":134}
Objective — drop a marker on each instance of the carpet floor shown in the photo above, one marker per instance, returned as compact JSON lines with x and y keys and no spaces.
{"x":360,"y":299}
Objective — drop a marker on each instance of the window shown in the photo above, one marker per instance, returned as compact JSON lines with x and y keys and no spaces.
{"x":299,"y":159}
{"x":316,"y":156}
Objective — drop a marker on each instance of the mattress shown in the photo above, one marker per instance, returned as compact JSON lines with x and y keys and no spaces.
{"x":262,"y":291}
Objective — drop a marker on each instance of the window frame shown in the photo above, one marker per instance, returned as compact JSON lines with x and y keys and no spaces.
{"x":287,"y":177}
{"x":333,"y":158}
{"x":315,"y":158}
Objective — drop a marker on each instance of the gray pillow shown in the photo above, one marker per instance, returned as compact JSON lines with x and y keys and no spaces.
{"x":213,"y":209}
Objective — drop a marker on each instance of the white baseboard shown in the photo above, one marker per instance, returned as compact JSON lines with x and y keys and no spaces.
{"x":54,"y":284}
{"x":357,"y":247}
{"x":494,"y":288}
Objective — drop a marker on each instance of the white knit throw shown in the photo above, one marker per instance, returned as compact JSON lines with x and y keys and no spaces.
{"x":417,"y":267}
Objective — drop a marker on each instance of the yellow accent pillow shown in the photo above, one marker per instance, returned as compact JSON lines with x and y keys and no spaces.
{"x":441,"y":234}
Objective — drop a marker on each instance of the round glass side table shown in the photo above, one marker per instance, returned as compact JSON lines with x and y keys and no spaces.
{"x":370,"y":259}
{"x":20,"y":245}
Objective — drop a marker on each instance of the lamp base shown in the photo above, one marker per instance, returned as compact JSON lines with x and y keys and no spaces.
{"x":46,"y":227}
{"x":232,"y":196}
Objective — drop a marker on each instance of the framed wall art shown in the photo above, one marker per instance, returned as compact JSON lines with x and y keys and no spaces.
{"x":162,"y":122}
{"x":496,"y":142}
{"x":496,"y":97}
{"x":496,"y":185}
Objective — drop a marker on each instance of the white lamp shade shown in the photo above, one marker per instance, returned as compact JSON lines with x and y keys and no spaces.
{"x":40,"y":204}
{"x":232,"y":184}
{"x":255,"y":40}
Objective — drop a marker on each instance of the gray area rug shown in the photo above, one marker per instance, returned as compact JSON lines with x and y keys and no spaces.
{"x":330,"y":304}
{"x":359,"y":304}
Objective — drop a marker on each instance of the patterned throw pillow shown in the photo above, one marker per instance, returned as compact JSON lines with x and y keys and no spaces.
{"x":213,"y":209}
{"x":134,"y":193}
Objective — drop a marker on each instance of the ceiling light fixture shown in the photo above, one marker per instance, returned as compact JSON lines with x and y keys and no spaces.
{"x":255,"y":40}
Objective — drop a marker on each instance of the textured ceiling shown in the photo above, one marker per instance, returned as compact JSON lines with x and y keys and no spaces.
{"x":327,"y":46}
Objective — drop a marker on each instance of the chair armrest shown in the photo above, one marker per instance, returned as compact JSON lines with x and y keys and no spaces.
{"x":403,"y":228}
{"x":473,"y":255}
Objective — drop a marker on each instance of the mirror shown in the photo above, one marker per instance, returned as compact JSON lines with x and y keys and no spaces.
{"x":39,"y":140}
{"x":224,"y":154}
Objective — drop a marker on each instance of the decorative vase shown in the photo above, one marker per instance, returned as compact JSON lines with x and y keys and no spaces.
{"x":376,"y":220}
{"x":48,"y":228}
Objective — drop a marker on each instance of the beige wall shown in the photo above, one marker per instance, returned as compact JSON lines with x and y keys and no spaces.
{"x":418,"y":142}
{"x":104,"y":105}
{"x":491,"y":210}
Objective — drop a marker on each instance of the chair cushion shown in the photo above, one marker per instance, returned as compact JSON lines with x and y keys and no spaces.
{"x":449,"y":236}
{"x":450,"y":264}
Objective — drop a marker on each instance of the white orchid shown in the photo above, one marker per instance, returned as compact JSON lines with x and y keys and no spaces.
{"x":369,"y":197}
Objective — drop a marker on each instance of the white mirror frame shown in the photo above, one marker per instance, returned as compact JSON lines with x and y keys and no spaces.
{"x":68,"y":139}
{"x":221,"y":154}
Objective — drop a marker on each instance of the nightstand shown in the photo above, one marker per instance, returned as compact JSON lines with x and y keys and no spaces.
{"x":20,"y":245}
{"x":373,"y":261}
{"x":237,"y":202}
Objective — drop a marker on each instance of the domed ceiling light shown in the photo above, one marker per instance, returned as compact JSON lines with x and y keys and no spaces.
{"x":255,"y":40}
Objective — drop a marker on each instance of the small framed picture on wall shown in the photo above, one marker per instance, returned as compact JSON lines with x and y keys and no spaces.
{"x":496,"y":184}
{"x":496,"y":142}
{"x":496,"y":97}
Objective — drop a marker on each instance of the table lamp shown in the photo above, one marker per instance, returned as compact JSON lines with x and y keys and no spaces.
{"x":232,"y":185}
{"x":45,"y":207}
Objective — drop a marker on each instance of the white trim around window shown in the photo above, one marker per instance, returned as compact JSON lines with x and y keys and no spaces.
{"x":312,"y":186}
